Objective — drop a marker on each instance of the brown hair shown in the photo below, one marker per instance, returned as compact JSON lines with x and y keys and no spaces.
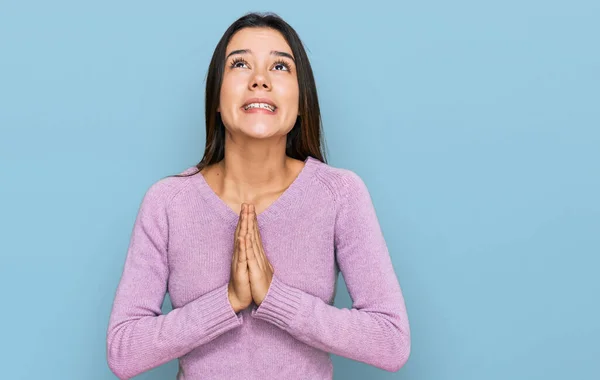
{"x":306,"y":137}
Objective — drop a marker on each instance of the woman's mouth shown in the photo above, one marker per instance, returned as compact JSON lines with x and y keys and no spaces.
{"x":259,"y":107}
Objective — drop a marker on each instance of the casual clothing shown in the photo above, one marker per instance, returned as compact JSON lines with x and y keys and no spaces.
{"x":182,"y":243}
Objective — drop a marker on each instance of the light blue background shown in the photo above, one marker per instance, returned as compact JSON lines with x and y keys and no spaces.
{"x":476,"y":127}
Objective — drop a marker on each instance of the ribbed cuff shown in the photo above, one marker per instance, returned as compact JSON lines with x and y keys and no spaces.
{"x":217,"y":313}
{"x":281,"y":304}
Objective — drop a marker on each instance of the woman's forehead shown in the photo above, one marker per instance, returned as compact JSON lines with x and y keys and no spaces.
{"x":258,"y":41}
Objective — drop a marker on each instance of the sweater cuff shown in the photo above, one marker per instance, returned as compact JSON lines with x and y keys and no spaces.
{"x":217,"y":313}
{"x":281,"y":304}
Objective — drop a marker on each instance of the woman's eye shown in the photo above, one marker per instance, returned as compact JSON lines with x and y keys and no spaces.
{"x":280,"y":67}
{"x":238,"y":63}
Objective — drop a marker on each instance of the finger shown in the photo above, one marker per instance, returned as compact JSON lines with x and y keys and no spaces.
{"x":251,"y":256}
{"x":238,"y":228}
{"x":261,"y":248}
{"x":236,"y":250}
{"x":243,"y":254}
{"x":236,"y":235}
{"x":236,"y":238}
{"x":260,"y":255}
{"x":250,"y":219}
{"x":251,"y":228}
{"x":239,"y":224}
{"x":244,"y":228}
{"x":257,"y":231}
{"x":255,"y":243}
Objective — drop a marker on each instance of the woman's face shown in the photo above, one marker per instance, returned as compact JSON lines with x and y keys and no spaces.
{"x":259,"y":94}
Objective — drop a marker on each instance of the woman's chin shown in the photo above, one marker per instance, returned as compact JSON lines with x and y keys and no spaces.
{"x":259,"y":132}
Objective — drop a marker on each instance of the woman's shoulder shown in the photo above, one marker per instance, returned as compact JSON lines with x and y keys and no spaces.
{"x":164,"y":189}
{"x":340,"y":180}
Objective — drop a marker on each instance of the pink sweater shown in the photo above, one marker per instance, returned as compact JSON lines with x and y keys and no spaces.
{"x":182,"y":243}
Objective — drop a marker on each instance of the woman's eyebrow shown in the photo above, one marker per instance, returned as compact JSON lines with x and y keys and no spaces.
{"x":273,"y":52}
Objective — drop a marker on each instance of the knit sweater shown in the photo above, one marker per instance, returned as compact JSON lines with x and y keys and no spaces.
{"x":182,"y":243}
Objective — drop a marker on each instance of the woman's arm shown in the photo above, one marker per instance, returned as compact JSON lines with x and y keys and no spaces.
{"x":139,"y":337}
{"x":376,"y":330}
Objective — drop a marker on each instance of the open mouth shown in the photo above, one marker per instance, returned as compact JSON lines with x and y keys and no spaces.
{"x":265,"y":106}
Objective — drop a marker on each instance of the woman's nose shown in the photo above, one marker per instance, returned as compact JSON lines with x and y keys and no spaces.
{"x":260,"y":81}
{"x":259,"y":84}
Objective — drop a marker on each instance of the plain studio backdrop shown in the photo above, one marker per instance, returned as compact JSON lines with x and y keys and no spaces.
{"x":475,"y":125}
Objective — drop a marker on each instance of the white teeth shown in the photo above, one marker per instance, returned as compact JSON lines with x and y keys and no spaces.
{"x":260,"y":105}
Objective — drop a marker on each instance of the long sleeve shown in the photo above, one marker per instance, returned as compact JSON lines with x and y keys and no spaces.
{"x":139,"y":336}
{"x":376,"y":329}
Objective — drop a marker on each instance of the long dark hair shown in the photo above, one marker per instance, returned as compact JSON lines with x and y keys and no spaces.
{"x":306,"y":137}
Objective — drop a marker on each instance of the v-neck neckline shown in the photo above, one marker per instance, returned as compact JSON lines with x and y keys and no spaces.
{"x":286,"y":198}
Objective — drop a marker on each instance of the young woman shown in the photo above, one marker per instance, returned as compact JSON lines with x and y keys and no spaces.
{"x":249,"y":242}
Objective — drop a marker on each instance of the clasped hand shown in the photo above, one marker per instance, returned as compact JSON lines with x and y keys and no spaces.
{"x":251,"y":271}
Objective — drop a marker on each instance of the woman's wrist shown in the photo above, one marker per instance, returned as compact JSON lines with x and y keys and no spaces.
{"x":232,"y":302}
